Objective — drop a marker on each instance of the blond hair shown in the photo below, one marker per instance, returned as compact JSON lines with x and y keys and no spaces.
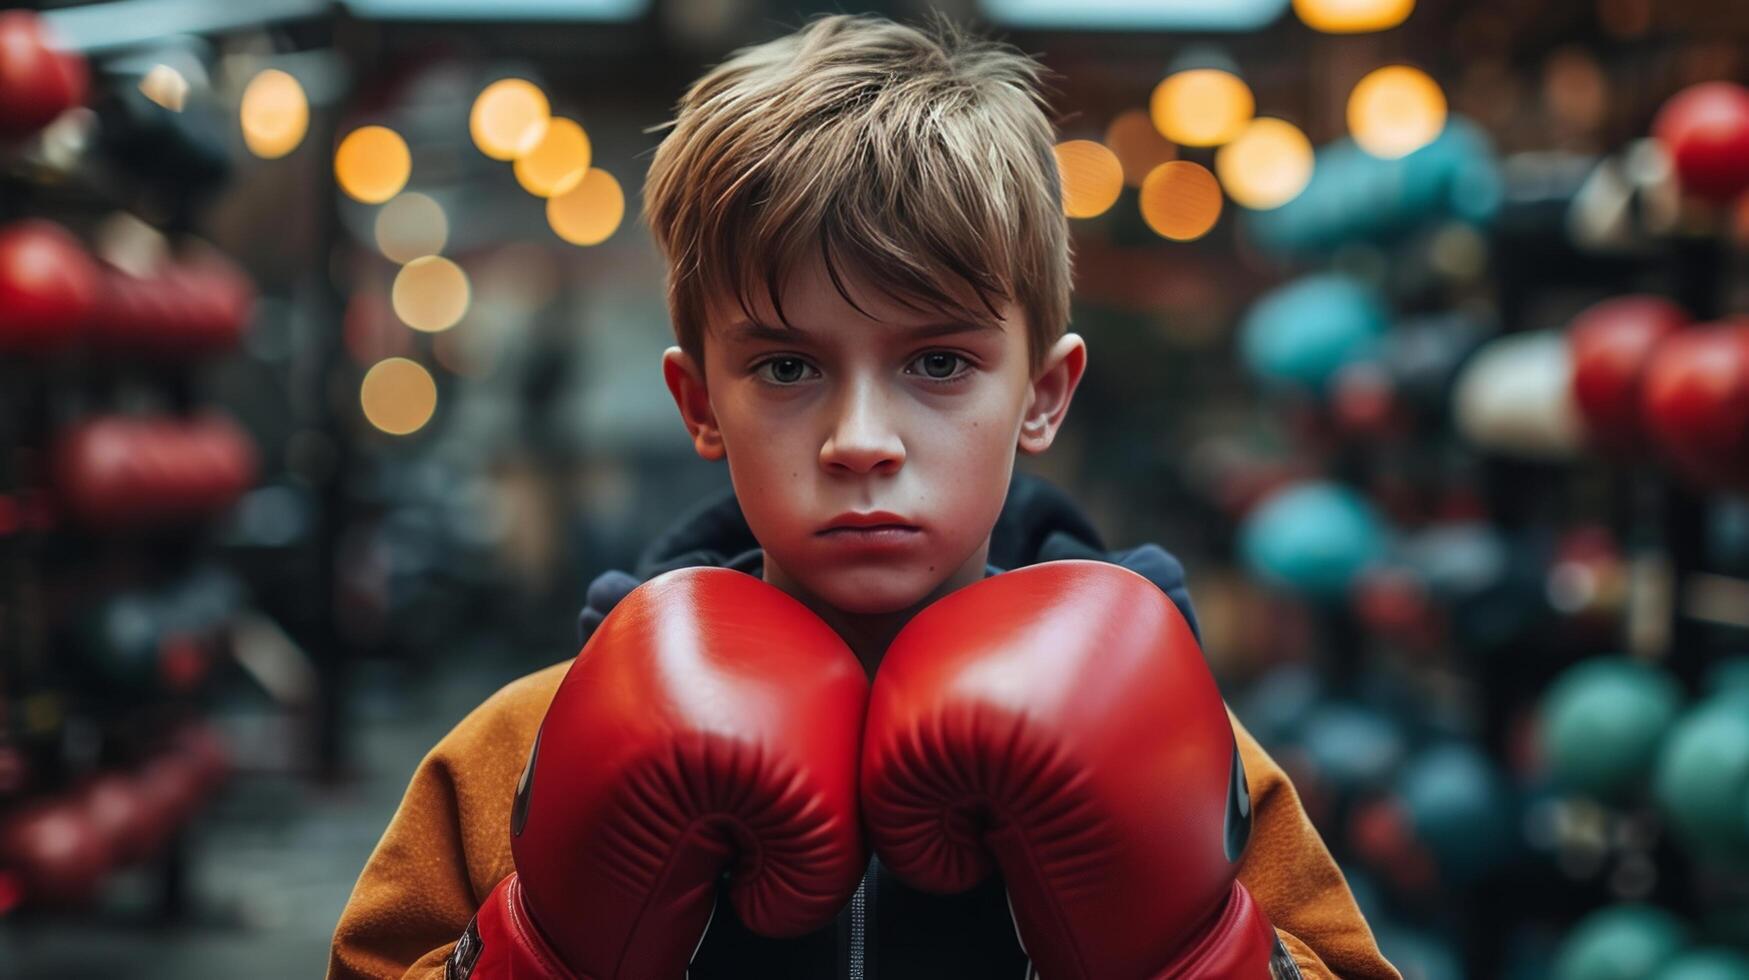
{"x":923,"y":158}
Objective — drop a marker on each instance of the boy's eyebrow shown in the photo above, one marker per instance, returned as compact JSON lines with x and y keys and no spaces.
{"x":747,"y":331}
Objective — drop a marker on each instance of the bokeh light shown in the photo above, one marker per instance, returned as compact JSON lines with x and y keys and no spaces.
{"x":275,"y":114}
{"x":1092,"y":177}
{"x":589,"y":213}
{"x":398,"y":396}
{"x":1353,"y":16}
{"x":410,"y":227}
{"x":165,"y":86}
{"x":1201,"y":106}
{"x":1395,"y":111}
{"x":1181,"y":200}
{"x":508,"y":118}
{"x":1138,"y":145}
{"x":430,"y":294}
{"x":1268,"y":165}
{"x":557,"y":162}
{"x":372,"y":164}
{"x":1575,"y":88}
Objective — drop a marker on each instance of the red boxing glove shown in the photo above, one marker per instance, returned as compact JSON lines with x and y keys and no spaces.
{"x":711,"y":724}
{"x":1059,"y":721}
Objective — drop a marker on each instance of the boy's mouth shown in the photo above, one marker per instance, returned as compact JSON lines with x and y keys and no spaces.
{"x":879,"y":520}
{"x":873,"y":538}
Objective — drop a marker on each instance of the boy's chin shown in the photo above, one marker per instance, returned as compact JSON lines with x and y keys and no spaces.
{"x":864,"y":592}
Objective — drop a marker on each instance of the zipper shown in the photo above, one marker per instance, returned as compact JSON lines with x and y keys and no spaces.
{"x":858,"y":929}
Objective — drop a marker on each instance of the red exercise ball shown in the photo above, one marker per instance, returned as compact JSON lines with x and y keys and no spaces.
{"x":1705,"y":129}
{"x":121,"y":472}
{"x":193,"y":308}
{"x":118,"y":809}
{"x":57,"y":850}
{"x":37,"y":82}
{"x":1696,"y":402}
{"x":48,"y":287}
{"x":1611,"y":344}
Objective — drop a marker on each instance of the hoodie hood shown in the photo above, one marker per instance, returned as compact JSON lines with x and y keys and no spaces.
{"x":1038,"y":523}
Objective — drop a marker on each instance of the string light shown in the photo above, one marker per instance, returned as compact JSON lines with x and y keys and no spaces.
{"x":1353,"y":16}
{"x":1395,"y":111}
{"x":589,"y":213}
{"x":1180,"y":200}
{"x":398,"y":396}
{"x":1201,"y":106}
{"x":508,"y":118}
{"x":372,"y":164}
{"x":1268,"y":165}
{"x":557,"y":162}
{"x":275,"y":114}
{"x":1092,"y":177}
{"x":430,"y":294}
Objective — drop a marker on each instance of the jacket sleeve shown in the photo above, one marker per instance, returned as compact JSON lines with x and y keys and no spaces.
{"x":1290,"y":873}
{"x":448,"y":844}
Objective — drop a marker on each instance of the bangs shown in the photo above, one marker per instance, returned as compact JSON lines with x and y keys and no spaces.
{"x":919,"y":166}
{"x":929,"y":245}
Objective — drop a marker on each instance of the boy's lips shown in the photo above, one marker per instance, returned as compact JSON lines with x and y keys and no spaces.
{"x":871,"y":530}
{"x":868,"y":520}
{"x":874,"y":538}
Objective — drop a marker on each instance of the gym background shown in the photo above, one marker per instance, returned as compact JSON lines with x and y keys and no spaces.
{"x":328,"y":380}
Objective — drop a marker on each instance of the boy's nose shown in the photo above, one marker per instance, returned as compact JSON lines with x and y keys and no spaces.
{"x":863,"y":438}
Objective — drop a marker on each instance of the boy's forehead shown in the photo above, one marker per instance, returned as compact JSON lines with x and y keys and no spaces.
{"x":744,"y":331}
{"x":813,"y":303}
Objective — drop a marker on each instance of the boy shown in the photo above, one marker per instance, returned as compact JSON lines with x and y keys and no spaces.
{"x":869,"y":281}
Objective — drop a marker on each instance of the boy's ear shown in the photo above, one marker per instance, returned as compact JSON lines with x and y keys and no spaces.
{"x":685,"y":379}
{"x":1052,"y":388}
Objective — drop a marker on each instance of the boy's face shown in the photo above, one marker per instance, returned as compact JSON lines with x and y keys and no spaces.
{"x":898,"y":411}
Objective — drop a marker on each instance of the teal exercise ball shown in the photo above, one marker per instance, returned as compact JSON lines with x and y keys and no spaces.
{"x":1312,"y":539}
{"x":1461,"y":808}
{"x":1714,"y":963}
{"x":1702,"y":779}
{"x":1622,"y":942}
{"x":1300,"y":335}
{"x":1602,"y":723}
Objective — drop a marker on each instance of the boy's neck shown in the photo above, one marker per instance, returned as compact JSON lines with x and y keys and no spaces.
{"x":869,"y":634}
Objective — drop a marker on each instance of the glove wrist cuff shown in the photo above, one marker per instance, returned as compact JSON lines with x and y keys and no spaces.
{"x":1240,"y":942}
{"x":503,"y":943}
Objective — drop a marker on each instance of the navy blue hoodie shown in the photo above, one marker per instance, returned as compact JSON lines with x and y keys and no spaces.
{"x":888,"y":929}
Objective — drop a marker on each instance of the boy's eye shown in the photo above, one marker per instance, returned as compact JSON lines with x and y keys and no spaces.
{"x":784,"y":370}
{"x":940,"y":365}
